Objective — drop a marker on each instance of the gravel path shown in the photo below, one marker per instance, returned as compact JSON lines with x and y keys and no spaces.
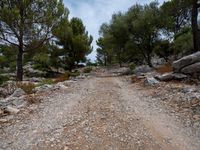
{"x":97,"y":113}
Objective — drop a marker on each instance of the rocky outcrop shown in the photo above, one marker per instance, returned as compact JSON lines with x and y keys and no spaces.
{"x":189,"y":65}
{"x":171,"y":76}
{"x":143,"y":69}
{"x":18,"y":92}
{"x":193,"y":69}
{"x":29,"y":71}
{"x":151,"y":81}
{"x":186,"y":67}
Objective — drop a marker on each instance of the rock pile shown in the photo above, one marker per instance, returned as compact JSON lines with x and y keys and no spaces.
{"x":186,"y":67}
{"x":189,"y":65}
{"x":8,"y":88}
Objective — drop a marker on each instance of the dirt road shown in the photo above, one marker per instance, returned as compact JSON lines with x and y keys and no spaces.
{"x":98,"y":113}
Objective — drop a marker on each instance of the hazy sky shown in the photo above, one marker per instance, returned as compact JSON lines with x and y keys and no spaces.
{"x":95,"y":12}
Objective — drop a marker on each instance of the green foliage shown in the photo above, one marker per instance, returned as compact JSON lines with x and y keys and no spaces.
{"x":132,"y":33}
{"x":132,"y":66}
{"x":183,"y":43}
{"x":175,"y":14}
{"x":8,"y":57}
{"x":41,"y":61}
{"x":28,"y":24}
{"x":75,"y":73}
{"x":3,"y":79}
{"x":87,"y":70}
{"x":75,"y":41}
{"x":45,"y":81}
{"x":163,"y":49}
{"x":105,"y":51}
{"x":144,"y":31}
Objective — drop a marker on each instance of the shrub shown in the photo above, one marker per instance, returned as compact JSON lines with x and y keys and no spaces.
{"x":41,"y":62}
{"x":3,"y":79}
{"x":87,"y":70}
{"x":63,"y":77}
{"x":75,"y":73}
{"x":45,"y":81}
{"x":165,"y":68}
{"x":132,"y":66}
{"x":27,"y":87}
{"x":33,"y":99}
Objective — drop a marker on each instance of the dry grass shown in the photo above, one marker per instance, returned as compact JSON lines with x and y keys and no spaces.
{"x":33,"y":99}
{"x":27,"y":87}
{"x":62,"y":78}
{"x":136,"y":79}
{"x":165,"y":69}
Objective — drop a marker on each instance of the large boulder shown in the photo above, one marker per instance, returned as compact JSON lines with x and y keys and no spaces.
{"x":18,"y":102}
{"x":186,"y":61}
{"x":18,"y":92}
{"x":143,"y":69}
{"x":171,"y":76}
{"x":193,"y":69}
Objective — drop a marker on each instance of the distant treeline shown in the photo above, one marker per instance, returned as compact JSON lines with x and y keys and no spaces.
{"x":148,"y":30}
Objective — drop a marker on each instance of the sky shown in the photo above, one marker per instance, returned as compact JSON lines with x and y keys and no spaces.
{"x":95,"y":12}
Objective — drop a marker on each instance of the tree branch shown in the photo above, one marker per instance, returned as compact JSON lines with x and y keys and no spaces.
{"x":39,"y":45}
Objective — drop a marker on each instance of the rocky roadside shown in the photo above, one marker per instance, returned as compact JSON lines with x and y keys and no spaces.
{"x":181,"y":99}
{"x":14,"y":99}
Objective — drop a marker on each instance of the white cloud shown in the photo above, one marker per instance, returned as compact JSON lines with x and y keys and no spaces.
{"x":95,"y":12}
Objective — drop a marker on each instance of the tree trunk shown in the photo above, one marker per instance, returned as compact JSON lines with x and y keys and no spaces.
{"x":195,"y":30}
{"x":105,"y":61}
{"x":120,"y":57}
{"x":20,"y":64}
{"x":149,"y":61}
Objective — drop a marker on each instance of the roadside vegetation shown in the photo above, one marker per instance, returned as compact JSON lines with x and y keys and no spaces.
{"x":47,"y":47}
{"x":168,"y":31}
{"x":39,"y":35}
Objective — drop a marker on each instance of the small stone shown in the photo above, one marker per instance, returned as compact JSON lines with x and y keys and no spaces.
{"x":66,"y":148}
{"x":11,"y":110}
{"x":3,"y":120}
{"x":151,"y":81}
{"x":1,"y":112}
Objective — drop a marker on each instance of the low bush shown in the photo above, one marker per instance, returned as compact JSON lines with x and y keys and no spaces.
{"x":87,"y":70}
{"x":165,"y":69}
{"x":75,"y":73}
{"x":33,"y":99}
{"x":27,"y":87}
{"x":45,"y":81}
{"x":3,"y":79}
{"x":63,"y":77}
{"x":132,"y":66}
